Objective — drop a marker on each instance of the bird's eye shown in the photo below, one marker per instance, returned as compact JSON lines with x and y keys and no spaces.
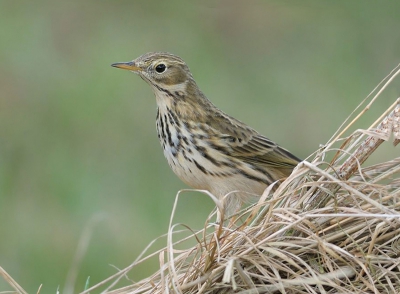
{"x":160,"y":68}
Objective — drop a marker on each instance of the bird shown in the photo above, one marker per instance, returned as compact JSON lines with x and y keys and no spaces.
{"x":205,"y":147}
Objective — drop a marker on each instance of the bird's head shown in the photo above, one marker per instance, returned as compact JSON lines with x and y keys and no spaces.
{"x":161,"y":70}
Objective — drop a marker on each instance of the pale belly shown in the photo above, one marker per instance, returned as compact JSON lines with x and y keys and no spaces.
{"x":224,"y":182}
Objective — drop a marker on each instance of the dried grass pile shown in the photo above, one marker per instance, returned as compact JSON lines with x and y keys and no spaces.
{"x":331,"y":227}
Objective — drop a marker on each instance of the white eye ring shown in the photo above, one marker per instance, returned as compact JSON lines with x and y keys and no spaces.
{"x":160,"y":68}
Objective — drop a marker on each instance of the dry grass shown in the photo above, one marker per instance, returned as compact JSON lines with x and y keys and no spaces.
{"x":329,"y":228}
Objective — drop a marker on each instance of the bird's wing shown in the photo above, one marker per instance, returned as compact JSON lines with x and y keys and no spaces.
{"x":244,"y":143}
{"x":259,"y":150}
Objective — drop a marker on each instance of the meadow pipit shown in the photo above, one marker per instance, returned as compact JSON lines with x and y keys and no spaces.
{"x":206,"y":148}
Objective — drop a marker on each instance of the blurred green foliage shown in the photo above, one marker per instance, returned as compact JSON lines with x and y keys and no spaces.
{"x":77,"y":137}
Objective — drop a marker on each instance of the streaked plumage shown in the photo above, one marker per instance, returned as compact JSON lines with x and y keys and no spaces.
{"x":206,"y":148}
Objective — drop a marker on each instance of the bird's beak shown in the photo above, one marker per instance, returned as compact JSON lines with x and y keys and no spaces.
{"x":127,"y":65}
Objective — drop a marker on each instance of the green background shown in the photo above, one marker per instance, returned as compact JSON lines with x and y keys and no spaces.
{"x":78,"y":140}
